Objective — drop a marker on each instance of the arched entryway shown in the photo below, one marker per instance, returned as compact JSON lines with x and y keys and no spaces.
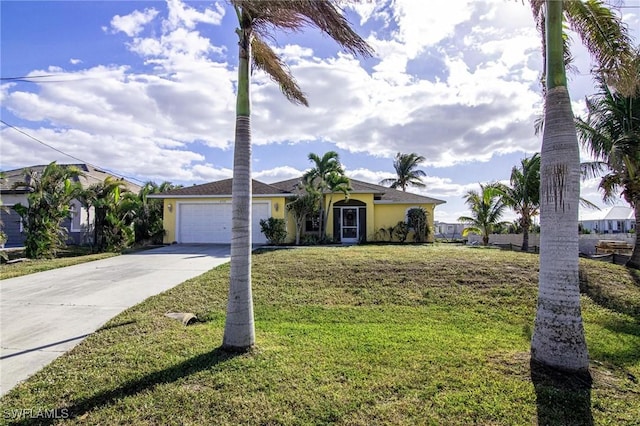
{"x":349,"y":221}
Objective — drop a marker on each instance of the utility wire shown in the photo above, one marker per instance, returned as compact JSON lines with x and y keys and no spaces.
{"x":68,"y":155}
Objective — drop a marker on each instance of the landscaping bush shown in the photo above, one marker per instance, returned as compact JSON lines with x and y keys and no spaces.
{"x":274,"y":229}
{"x":417,"y":220}
{"x":401,"y":231}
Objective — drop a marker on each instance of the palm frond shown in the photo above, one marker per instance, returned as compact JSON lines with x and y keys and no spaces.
{"x":295,"y":15}
{"x":593,"y":169}
{"x":265,"y":59}
{"x":605,"y":36}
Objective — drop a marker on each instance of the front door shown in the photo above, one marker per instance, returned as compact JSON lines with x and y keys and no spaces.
{"x":349,"y":225}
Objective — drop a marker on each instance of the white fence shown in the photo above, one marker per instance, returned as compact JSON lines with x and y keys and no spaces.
{"x":587,"y":241}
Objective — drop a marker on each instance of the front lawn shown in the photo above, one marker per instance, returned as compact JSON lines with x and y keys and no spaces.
{"x":67,"y":257}
{"x":356,"y":335}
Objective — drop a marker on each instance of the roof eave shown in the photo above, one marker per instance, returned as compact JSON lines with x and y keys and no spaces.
{"x":163,"y":196}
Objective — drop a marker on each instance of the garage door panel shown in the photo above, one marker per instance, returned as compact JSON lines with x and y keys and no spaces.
{"x":211,"y":222}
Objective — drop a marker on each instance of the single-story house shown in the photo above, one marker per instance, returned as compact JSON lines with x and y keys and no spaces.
{"x":79,"y":226}
{"x":614,"y":220}
{"x":450,"y":231}
{"x":202,"y":213}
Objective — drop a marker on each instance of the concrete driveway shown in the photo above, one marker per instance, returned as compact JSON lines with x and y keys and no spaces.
{"x":44,"y":315}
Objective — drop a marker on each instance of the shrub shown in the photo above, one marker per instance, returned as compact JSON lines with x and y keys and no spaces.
{"x":417,"y":220}
{"x":310,"y":240}
{"x":274,"y":229}
{"x":401,"y":231}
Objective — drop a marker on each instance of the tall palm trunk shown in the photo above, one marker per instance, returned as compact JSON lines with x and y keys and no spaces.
{"x":524,"y":223}
{"x":634,"y":261}
{"x":239,"y":331}
{"x":558,"y":337}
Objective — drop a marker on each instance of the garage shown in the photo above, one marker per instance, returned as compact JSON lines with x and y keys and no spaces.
{"x":211,"y":222}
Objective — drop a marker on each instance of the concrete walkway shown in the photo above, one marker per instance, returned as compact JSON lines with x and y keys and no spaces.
{"x":43,"y":315}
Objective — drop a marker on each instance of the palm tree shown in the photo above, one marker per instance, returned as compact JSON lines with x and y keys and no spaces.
{"x":612,"y":133}
{"x":145,"y":214}
{"x":523,"y":194}
{"x":105,"y":198}
{"x":407,"y":174}
{"x":487,"y":209}
{"x":257,"y":19}
{"x":50,"y":194}
{"x":326,"y":177}
{"x":558,"y":337}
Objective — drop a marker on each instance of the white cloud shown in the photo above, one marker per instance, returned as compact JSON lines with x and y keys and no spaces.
{"x":457,"y":83}
{"x":277,"y":174}
{"x":74,"y":61}
{"x":183,"y":16}
{"x":133,"y":23}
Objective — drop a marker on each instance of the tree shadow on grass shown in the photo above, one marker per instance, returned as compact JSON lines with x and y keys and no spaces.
{"x":562,"y":398}
{"x":601,"y":296}
{"x":168,"y":375}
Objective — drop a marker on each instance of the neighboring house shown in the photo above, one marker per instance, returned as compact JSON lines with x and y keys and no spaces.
{"x":614,"y":220}
{"x":202,"y":213}
{"x":79,"y":226}
{"x":451,"y":231}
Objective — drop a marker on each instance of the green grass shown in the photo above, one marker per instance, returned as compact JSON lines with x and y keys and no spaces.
{"x":361,"y":335}
{"x":67,"y":257}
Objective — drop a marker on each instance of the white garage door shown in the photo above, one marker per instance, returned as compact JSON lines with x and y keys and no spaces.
{"x":211,"y":223}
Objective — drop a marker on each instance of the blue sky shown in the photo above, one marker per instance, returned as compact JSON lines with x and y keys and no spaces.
{"x":146,"y":89}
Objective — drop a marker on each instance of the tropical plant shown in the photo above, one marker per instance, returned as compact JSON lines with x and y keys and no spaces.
{"x":275,"y":229}
{"x":401,"y":231}
{"x":487,"y":209}
{"x":257,"y":19}
{"x":611,"y":132}
{"x":49,"y":199}
{"x":385,"y":233}
{"x":406,"y":171}
{"x":3,"y":209}
{"x":326,"y":178}
{"x":558,"y":338}
{"x":523,"y":194}
{"x":110,"y":230}
{"x":417,"y":220}
{"x":146,"y":214}
{"x":303,"y":206}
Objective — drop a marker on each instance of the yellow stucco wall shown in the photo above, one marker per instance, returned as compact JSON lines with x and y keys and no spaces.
{"x":170,"y":219}
{"x":378,"y":215}
{"x":365,"y":198}
{"x":387,"y":215}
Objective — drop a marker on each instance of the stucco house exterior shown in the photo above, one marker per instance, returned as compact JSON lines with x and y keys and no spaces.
{"x":202,"y":213}
{"x":79,"y":225}
{"x":450,"y":231}
{"x":613,"y":220}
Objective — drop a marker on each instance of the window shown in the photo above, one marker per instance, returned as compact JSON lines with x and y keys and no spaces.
{"x":76,"y":216}
{"x":312,"y":224}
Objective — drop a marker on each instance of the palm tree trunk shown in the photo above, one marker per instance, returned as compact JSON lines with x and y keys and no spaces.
{"x":634,"y":261}
{"x":525,"y":234}
{"x":239,"y":330}
{"x":558,"y":337}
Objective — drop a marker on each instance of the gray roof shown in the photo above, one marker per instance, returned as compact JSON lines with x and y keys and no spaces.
{"x":385,"y":194}
{"x":612,"y":213}
{"x":220,"y":188}
{"x":91,"y":176}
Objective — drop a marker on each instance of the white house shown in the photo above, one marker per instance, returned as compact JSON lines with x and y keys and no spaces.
{"x":613,"y":220}
{"x":450,"y":231}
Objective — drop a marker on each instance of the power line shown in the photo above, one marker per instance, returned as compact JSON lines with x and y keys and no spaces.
{"x":68,"y":155}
